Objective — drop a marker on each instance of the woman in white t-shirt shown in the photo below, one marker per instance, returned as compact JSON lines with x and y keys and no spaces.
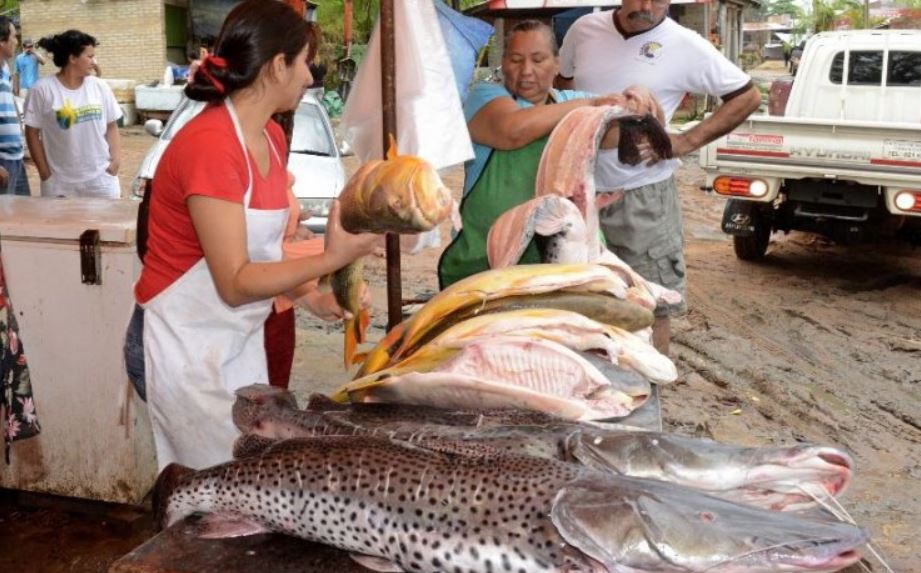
{"x":70,"y":123}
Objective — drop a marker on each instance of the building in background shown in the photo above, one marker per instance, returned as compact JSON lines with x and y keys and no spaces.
{"x":136,"y":37}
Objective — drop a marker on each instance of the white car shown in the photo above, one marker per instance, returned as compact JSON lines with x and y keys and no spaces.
{"x":315,"y":159}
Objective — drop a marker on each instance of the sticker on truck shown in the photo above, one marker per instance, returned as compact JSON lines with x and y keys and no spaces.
{"x":755,"y":140}
{"x":753,"y":145}
{"x":900,"y":152}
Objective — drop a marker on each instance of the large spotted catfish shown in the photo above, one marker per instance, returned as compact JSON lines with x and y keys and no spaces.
{"x":783,"y":478}
{"x":398,"y":507}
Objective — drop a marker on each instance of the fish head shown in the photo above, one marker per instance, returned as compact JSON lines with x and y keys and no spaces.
{"x":644,"y":526}
{"x":412,"y":198}
{"x":782,"y":478}
{"x":255,"y":400}
{"x":792,"y":478}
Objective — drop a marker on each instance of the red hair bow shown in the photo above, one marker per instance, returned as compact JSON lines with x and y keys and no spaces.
{"x":217,"y":63}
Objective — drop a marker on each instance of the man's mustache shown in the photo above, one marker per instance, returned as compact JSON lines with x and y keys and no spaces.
{"x":641,"y":15}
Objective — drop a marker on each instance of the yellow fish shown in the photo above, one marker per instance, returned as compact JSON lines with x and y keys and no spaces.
{"x":402,"y":194}
{"x":486,"y":286}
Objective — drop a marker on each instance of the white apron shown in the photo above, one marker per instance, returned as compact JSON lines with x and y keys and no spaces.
{"x":198,"y":350}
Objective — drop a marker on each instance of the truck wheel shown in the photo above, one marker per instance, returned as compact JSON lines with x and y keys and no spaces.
{"x":753,"y":248}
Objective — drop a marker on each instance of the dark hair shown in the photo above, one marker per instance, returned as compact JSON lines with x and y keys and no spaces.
{"x":5,"y":28}
{"x":254,"y":32}
{"x":66,"y":44}
{"x":531,"y":26}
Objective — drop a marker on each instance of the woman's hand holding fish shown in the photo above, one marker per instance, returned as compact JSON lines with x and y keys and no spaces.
{"x":323,"y":305}
{"x":345,"y":246}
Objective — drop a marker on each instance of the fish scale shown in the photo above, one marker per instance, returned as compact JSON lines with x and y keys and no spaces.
{"x":424,"y":511}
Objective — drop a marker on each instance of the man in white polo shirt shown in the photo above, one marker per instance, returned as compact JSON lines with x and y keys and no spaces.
{"x":639,"y":45}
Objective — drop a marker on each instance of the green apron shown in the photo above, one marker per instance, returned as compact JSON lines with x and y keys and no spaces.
{"x":506,"y":181}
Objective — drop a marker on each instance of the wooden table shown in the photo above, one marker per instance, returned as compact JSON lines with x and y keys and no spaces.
{"x":178,"y":550}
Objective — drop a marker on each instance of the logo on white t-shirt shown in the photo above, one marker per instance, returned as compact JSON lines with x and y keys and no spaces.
{"x":650,"y":50}
{"x":68,"y":116}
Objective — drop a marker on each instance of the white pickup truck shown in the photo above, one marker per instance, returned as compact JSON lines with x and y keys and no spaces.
{"x":843,"y":160}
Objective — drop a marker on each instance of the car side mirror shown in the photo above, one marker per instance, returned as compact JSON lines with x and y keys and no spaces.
{"x":154,"y":127}
{"x":345,"y":149}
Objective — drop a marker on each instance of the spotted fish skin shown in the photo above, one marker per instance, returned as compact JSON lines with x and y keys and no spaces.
{"x":763,"y":477}
{"x":426,"y":511}
{"x":423,"y":510}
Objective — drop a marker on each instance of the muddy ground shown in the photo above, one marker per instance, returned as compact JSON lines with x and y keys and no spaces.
{"x":818,"y":343}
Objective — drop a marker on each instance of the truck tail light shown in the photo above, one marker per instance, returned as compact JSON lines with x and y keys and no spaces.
{"x":909,"y":201}
{"x":740,"y":187}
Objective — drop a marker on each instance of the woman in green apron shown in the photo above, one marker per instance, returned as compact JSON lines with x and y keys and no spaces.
{"x":509,"y":125}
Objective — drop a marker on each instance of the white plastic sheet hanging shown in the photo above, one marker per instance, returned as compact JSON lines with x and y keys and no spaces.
{"x":430,"y":120}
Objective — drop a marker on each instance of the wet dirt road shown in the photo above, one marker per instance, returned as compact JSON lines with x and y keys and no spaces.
{"x":816,"y":343}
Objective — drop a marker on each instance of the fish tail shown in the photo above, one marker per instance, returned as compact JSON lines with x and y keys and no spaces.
{"x":364,"y":321}
{"x":352,"y":338}
{"x":167,"y":482}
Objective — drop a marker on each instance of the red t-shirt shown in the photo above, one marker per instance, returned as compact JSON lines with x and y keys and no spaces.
{"x":205,"y":158}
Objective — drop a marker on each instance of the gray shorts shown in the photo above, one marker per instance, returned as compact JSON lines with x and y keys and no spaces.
{"x":644,"y":229}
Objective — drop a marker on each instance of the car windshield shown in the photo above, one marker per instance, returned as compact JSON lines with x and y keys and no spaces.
{"x":310,"y":133}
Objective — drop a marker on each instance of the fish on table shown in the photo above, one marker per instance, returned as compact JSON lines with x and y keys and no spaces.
{"x":402,"y":194}
{"x":399,"y":507}
{"x":498,"y":371}
{"x":573,"y":330}
{"x":482,"y":288}
{"x":779,"y":478}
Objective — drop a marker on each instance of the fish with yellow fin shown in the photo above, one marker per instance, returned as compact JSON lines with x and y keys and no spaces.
{"x":402,"y":194}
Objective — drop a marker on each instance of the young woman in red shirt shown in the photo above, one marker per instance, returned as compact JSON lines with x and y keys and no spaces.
{"x":216,"y":224}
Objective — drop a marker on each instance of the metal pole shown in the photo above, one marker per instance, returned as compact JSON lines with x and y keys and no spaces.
{"x":389,"y":97}
{"x":866,"y":14}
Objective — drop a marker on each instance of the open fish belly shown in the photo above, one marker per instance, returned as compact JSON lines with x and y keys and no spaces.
{"x":541,"y":365}
{"x":520,"y":372}
{"x":455,"y":390}
{"x":547,"y":216}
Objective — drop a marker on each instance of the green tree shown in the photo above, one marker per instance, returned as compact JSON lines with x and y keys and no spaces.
{"x":789,"y":7}
{"x":823,"y":16}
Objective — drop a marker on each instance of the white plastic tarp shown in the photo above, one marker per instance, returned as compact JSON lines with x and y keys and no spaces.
{"x":430,"y":121}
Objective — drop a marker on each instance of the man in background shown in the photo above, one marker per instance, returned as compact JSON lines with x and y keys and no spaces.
{"x":639,"y":45}
{"x":12,"y":172}
{"x":27,"y":64}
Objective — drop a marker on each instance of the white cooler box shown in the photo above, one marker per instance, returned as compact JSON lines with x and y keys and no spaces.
{"x":96,"y":441}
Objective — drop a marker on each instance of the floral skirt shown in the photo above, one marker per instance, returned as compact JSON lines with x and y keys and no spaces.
{"x":17,"y":409}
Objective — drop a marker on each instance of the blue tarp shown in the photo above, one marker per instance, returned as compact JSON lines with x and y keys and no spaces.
{"x":464,"y":37}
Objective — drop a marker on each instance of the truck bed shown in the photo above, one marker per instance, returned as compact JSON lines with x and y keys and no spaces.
{"x":871,"y":153}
